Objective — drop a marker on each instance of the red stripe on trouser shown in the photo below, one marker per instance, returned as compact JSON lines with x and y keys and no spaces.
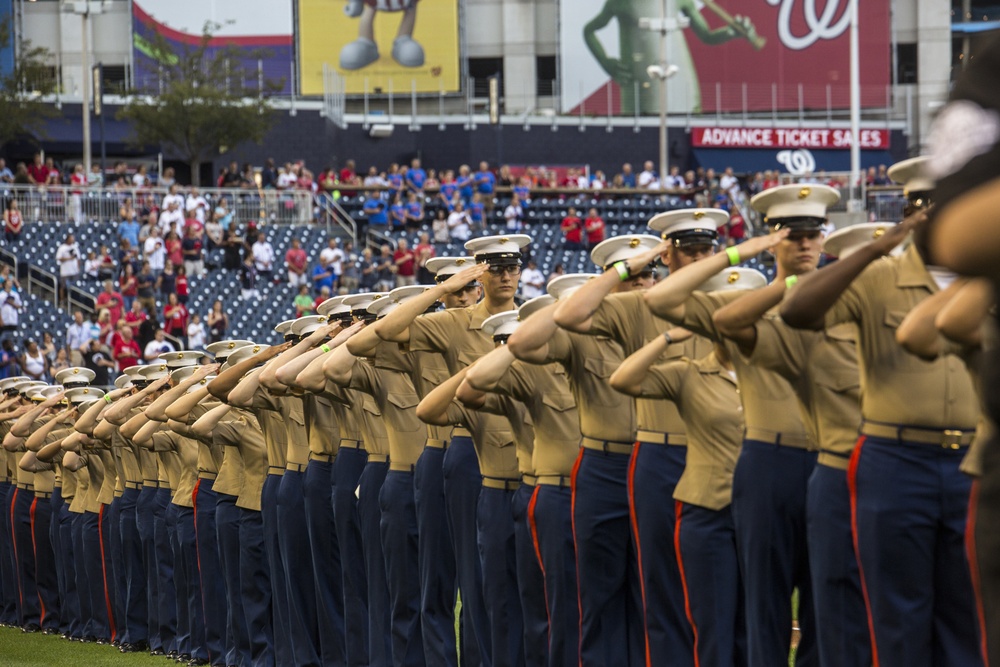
{"x":634,"y":522}
{"x":13,"y":541}
{"x":852,"y":487}
{"x":576,"y":549}
{"x":678,"y":507}
{"x":533,"y":527}
{"x":34,"y":548}
{"x":970,"y":550}
{"x":104,"y":573}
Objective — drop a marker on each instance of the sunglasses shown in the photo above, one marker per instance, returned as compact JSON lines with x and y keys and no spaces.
{"x":642,"y":275}
{"x":500,"y":270}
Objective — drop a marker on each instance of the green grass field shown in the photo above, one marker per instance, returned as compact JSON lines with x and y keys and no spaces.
{"x":18,"y":649}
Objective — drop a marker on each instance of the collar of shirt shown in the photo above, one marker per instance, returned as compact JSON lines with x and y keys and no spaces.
{"x":913,"y":272}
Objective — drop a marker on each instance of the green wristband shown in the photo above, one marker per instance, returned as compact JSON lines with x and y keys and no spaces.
{"x":107,"y":398}
{"x":733,"y":253}
{"x":325,"y":347}
{"x":791,"y":280}
{"x":623,"y":272}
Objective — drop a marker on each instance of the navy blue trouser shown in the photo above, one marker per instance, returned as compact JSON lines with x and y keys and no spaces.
{"x":209,"y":571}
{"x":769,"y":510}
{"x":100,"y":602}
{"x":841,"y":620}
{"x":654,"y":472}
{"x":436,"y":559}
{"x":705,"y":542}
{"x":82,"y":582}
{"x":133,"y":585}
{"x":227,"y":534}
{"x":551,"y":519}
{"x":255,"y":579}
{"x":28,"y":609}
{"x":279,"y":588}
{"x":399,"y":544}
{"x":370,"y":514}
{"x":909,"y":503}
{"x":462,"y":485}
{"x":347,"y":469}
{"x":145,"y":526}
{"x":495,"y":522}
{"x":114,"y":568}
{"x":8,"y":579}
{"x":62,"y":527}
{"x":293,"y":538}
{"x":164,"y":536}
{"x":46,"y":580}
{"x":186,"y":556}
{"x":530,"y":583}
{"x":55,"y":505}
{"x":607,"y":569}
{"x":326,"y":577}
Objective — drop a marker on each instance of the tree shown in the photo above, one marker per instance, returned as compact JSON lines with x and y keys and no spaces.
{"x":198,"y":114}
{"x":21,"y":109}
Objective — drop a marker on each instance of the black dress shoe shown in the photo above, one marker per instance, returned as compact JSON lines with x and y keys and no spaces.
{"x":197,"y":662}
{"x":157,"y":651}
{"x":31,"y":627}
{"x":183,"y":658}
{"x":50,"y":631}
{"x":134,"y":647}
{"x":103,"y":642}
{"x":172,"y":654}
{"x":90,"y":639}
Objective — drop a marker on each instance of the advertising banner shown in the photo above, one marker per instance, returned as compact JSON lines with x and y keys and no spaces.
{"x":753,"y":55}
{"x":380,"y":45}
{"x":784,"y":137}
{"x":261,"y":29}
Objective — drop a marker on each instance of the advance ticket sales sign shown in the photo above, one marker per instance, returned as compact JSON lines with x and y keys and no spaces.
{"x":785,"y":137}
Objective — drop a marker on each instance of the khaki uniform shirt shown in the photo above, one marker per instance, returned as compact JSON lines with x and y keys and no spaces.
{"x":240,"y":432}
{"x":348,"y":403}
{"x":897,"y":387}
{"x":125,"y":452}
{"x":323,"y":418}
{"x":147,"y":464}
{"x":626,"y":319}
{"x":186,"y":461}
{"x":705,"y":394}
{"x":396,"y":398}
{"x":492,"y":439}
{"x":210,"y":456}
{"x":545,"y":393}
{"x":605,"y":414}
{"x":522,"y":428}
{"x":456,"y":334}
{"x":69,"y":483}
{"x":79,"y":503}
{"x":271,"y":423}
{"x":430,"y":371}
{"x":373,"y":431}
{"x":822,"y":367}
{"x":770,"y":407}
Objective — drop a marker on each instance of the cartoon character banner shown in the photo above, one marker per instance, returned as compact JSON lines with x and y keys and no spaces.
{"x":257,"y":27}
{"x":734,"y":54}
{"x":382,"y":44}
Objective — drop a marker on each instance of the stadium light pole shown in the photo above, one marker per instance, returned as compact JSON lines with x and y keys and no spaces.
{"x":662,"y":71}
{"x":855,"y":203}
{"x":85,"y":9}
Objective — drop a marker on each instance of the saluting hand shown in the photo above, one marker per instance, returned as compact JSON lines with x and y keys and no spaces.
{"x":464,"y":277}
{"x":643,"y":259}
{"x":896,"y":234}
{"x":758,"y":244}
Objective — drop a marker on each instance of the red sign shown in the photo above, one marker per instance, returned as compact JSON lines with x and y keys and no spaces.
{"x":785,"y":137}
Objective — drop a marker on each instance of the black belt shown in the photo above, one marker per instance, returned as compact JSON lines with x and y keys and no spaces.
{"x":562,"y":481}
{"x":401,"y":467}
{"x":501,"y":483}
{"x":943,"y":438}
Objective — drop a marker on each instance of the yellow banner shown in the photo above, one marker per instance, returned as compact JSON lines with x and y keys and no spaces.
{"x":381,"y":43}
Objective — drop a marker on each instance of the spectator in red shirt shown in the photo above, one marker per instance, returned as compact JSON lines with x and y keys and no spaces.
{"x":181,"y":285}
{"x":38,"y":172}
{"x":298,"y":264}
{"x":348,"y":175}
{"x":594,"y":226}
{"x":324,"y":294}
{"x":126,"y":350}
{"x":572,"y":229}
{"x":135,"y":317}
{"x":175,"y":319}
{"x":111,"y":300}
{"x":424,"y":250}
{"x":406,"y":264}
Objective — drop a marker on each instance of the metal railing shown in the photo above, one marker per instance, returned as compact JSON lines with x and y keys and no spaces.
{"x":78,"y":299}
{"x":331,"y":212}
{"x":61,"y":203}
{"x":334,"y":88}
{"x":43,"y":282}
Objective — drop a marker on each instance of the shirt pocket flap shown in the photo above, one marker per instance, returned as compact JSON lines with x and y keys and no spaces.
{"x":838,"y":381}
{"x":559,"y":402}
{"x":403,"y":401}
{"x":599,"y":367}
{"x":368,"y":405}
{"x":893,"y":318}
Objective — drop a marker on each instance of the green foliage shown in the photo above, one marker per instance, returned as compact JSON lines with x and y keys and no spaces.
{"x":21,"y":109}
{"x":201,"y":110}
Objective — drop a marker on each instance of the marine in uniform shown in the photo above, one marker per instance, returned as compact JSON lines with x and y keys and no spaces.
{"x":908,"y":494}
{"x":705,"y":393}
{"x":778,"y":453}
{"x":8,"y":480}
{"x":456,"y":335}
{"x":688,"y":236}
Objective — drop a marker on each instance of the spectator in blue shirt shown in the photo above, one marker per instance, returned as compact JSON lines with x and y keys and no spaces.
{"x":397,"y":212}
{"x":414,"y":211}
{"x":466,"y":184}
{"x":485,"y":180}
{"x":129,"y":229}
{"x":447,"y":190}
{"x":628,"y":176}
{"x":394,"y":178}
{"x":476,"y":211}
{"x":322,"y":277}
{"x":523,"y":191}
{"x":374,"y":209}
{"x":416,"y":177}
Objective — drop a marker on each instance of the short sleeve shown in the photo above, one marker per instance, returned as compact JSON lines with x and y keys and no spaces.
{"x":363,"y":377}
{"x":229,"y":433}
{"x":701,"y":306}
{"x":619,"y":317}
{"x":265,"y":400}
{"x":430,"y":333}
{"x":779,"y":349}
{"x":514,"y":383}
{"x":850,"y":306}
{"x":560,"y":348}
{"x":664,"y":380}
{"x":164,"y":441}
